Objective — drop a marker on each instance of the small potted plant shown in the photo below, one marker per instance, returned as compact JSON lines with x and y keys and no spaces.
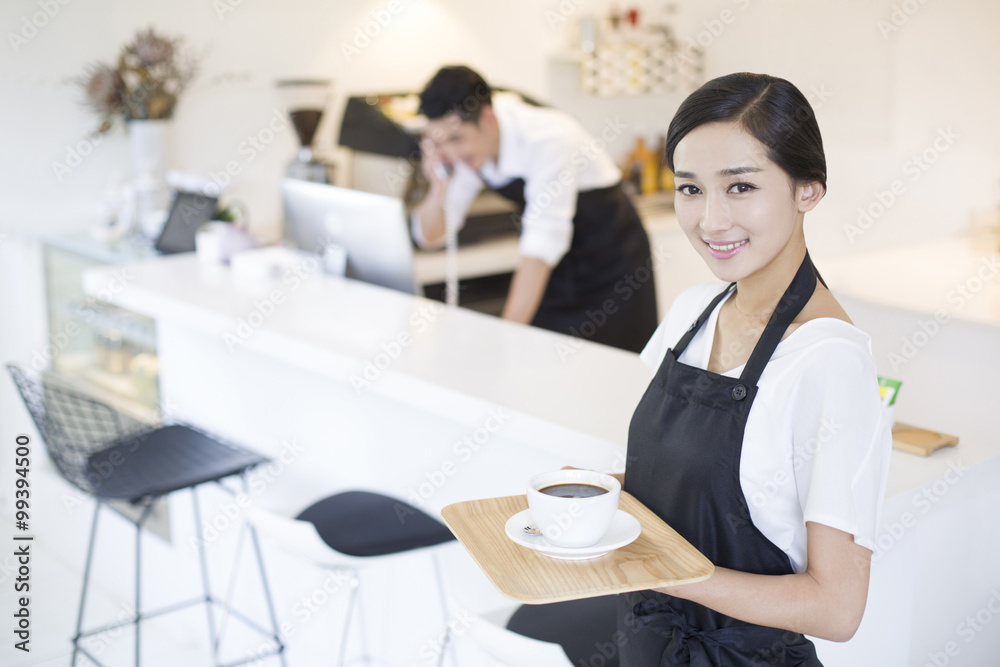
{"x":224,"y":236}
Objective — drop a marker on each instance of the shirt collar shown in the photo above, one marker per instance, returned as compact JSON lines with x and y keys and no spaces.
{"x":506,"y":166}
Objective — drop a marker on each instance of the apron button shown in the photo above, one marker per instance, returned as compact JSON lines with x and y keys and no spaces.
{"x":739,"y":392}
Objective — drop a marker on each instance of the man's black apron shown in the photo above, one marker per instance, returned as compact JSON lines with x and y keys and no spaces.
{"x":602,"y":289}
{"x":684,"y":448}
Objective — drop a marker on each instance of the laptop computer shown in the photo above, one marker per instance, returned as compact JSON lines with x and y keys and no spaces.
{"x":371,"y":228}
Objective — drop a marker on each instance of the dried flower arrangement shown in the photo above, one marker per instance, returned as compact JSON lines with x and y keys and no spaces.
{"x":144,"y":85}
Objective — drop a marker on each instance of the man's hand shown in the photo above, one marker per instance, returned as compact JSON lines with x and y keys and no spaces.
{"x":431,"y":161}
{"x":431,"y":210}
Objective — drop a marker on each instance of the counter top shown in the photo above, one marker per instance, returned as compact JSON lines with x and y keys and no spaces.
{"x":446,"y":360}
{"x":501,"y":255}
{"x":954,"y":277}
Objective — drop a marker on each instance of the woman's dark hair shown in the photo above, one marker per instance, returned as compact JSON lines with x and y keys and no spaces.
{"x":455,"y":89}
{"x":770,"y":109}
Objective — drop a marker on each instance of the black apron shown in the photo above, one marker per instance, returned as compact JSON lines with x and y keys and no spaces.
{"x":684,"y":447}
{"x":602,"y":289}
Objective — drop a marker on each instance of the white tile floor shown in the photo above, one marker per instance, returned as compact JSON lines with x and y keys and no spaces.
{"x":311,"y":619}
{"x":177,"y":639}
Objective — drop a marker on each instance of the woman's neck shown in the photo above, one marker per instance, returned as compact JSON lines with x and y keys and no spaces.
{"x":758,"y":294}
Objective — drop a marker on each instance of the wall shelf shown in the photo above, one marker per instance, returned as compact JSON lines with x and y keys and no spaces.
{"x":636,"y":68}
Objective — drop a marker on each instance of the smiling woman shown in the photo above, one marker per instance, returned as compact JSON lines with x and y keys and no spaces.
{"x":770,"y":395}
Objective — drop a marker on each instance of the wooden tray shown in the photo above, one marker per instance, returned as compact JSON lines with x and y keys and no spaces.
{"x":919,"y":441}
{"x":658,"y":557}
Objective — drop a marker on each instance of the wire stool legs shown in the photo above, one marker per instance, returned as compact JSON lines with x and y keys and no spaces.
{"x":86,"y":579}
{"x":206,"y":598}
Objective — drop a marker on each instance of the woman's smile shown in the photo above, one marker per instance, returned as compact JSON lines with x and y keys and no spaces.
{"x":723,"y":250}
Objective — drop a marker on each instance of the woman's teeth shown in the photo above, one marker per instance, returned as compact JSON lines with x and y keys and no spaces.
{"x":727,"y":247}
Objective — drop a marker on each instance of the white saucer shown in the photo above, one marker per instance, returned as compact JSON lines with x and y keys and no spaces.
{"x":624,"y":530}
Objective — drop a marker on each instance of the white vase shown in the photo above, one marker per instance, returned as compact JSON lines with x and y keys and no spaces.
{"x":148,"y":143}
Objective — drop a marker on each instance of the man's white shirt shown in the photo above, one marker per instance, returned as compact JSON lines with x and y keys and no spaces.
{"x":556,"y":157}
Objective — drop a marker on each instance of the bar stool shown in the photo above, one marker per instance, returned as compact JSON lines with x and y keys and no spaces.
{"x":560,"y":634}
{"x":585,"y":628}
{"x":346,"y":531}
{"x":110,"y":456}
{"x":503,"y":647}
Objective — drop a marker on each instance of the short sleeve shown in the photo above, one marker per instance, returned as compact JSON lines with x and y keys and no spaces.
{"x":841,"y":441}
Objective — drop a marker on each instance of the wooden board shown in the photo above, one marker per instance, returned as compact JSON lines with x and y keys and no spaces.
{"x":919,"y":441}
{"x":658,"y":557}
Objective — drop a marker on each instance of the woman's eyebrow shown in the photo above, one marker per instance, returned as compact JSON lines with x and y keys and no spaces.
{"x":731,"y":171}
{"x":736,"y":171}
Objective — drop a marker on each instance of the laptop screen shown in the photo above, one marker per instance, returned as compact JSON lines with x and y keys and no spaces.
{"x":371,"y":228}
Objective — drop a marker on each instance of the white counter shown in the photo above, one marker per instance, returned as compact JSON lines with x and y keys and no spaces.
{"x":957,"y":277}
{"x":294,"y":378}
{"x":443,"y":360}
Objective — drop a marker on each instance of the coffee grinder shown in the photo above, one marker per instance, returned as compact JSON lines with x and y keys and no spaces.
{"x":306,"y":100}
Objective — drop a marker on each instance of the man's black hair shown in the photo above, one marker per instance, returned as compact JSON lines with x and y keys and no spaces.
{"x":457,"y":89}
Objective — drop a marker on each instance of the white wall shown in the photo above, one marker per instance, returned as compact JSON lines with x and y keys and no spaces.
{"x":887,"y":94}
{"x":245,"y":51}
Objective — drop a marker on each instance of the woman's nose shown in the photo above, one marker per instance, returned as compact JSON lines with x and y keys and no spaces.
{"x":715,"y":215}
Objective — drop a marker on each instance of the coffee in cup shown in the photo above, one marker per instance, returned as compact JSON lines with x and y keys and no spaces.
{"x":573,"y":508}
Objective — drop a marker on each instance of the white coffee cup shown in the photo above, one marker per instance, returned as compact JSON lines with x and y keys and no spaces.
{"x":573,"y":522}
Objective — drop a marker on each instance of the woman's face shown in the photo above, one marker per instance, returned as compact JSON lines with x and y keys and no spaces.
{"x":738,"y":208}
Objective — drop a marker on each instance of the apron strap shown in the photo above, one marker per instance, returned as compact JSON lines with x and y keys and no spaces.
{"x":792,"y":301}
{"x":693,"y":329}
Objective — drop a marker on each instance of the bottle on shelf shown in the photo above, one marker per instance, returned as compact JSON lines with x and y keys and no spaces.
{"x":641,"y":168}
{"x":666,"y":177}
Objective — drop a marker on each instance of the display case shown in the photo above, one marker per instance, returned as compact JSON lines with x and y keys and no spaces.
{"x":93,"y":343}
{"x":97,"y":348}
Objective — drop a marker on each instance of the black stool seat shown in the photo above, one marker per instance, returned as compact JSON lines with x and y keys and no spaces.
{"x":359,"y":523}
{"x":162,"y":461}
{"x":581,"y":627}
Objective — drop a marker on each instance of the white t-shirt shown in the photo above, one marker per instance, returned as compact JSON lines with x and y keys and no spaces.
{"x":817,"y":442}
{"x":557,"y":159}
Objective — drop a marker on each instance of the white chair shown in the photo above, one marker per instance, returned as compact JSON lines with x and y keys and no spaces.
{"x":347,"y":531}
{"x":561,"y":634}
{"x":506,"y":648}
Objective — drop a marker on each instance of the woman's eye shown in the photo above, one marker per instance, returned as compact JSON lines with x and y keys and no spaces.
{"x":740,"y":188}
{"x":688,"y":190}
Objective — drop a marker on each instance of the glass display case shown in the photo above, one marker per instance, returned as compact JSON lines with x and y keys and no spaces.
{"x":93,"y":342}
{"x":97,"y":348}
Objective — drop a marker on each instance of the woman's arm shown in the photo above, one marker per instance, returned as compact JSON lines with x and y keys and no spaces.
{"x":826,"y":601}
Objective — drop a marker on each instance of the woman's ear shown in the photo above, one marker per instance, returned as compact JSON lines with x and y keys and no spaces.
{"x":808,"y":195}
